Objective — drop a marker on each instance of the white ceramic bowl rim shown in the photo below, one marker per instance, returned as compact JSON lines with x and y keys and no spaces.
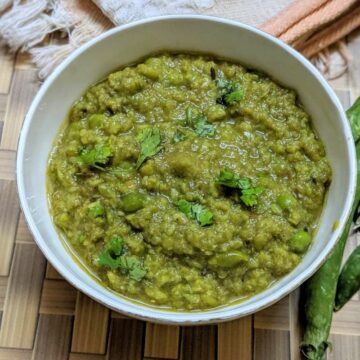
{"x":158,"y":315}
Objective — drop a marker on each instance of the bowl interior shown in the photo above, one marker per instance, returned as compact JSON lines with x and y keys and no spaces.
{"x":223,"y":38}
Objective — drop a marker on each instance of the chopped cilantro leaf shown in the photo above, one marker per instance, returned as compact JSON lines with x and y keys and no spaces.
{"x":185,"y":207}
{"x":105,"y":259}
{"x":132,"y":266}
{"x":137,"y":273}
{"x":199,"y":124}
{"x":222,"y":84}
{"x":113,"y":249}
{"x":116,"y":245}
{"x":203,"y":215}
{"x":113,"y":257}
{"x":249,"y":194}
{"x":196,"y":212}
{"x":228,"y":178}
{"x":150,"y":144}
{"x":229,"y":92}
{"x":244,"y":183}
{"x":97,"y":157}
{"x":96,"y":209}
{"x":203,"y":128}
{"x":234,"y":96}
{"x":178,"y":137}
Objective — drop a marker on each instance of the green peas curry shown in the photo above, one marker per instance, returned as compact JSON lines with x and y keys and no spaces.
{"x":188,"y":182}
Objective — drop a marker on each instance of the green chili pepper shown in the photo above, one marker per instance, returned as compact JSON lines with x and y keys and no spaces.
{"x":349,"y":280}
{"x":320,"y":289}
{"x":353,"y":114}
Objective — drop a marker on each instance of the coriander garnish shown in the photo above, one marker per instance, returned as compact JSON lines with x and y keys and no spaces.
{"x":230,"y":92}
{"x":196,"y":212}
{"x":97,"y":157}
{"x":249,"y":193}
{"x":114,"y":257}
{"x":178,"y":137}
{"x":199,"y":123}
{"x":150,"y":144}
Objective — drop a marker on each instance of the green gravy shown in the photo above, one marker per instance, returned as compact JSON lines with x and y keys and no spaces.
{"x":188,"y":182}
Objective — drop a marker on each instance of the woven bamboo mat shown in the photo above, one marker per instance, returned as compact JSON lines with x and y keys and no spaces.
{"x":44,"y":318}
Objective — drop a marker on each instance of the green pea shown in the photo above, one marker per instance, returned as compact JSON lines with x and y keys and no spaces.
{"x":96,"y":209}
{"x":132,"y":201}
{"x":300,"y":241}
{"x":96,"y":120}
{"x":229,"y":259}
{"x":286,"y":201}
{"x":209,"y":300}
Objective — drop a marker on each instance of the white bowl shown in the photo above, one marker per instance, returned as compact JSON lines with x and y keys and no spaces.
{"x":225,"y":38}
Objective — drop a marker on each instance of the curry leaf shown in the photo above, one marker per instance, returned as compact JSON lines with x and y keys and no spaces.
{"x":150,"y":144}
{"x":196,"y":212}
{"x":97,"y":157}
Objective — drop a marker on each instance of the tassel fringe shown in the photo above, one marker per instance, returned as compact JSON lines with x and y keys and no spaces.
{"x":46,"y":58}
{"x":24,"y":25}
{"x":330,"y":70}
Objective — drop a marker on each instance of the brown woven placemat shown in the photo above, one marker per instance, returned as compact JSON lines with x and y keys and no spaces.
{"x":44,"y":318}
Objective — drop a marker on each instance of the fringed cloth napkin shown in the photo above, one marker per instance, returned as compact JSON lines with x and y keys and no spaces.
{"x":308,"y":25}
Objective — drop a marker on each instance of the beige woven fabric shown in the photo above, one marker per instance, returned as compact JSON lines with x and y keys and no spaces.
{"x":308,"y":25}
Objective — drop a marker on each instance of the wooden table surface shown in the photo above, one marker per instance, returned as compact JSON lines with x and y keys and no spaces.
{"x":44,"y":318}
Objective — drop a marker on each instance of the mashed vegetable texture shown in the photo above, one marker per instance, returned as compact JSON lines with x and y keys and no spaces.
{"x":188,"y":182}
